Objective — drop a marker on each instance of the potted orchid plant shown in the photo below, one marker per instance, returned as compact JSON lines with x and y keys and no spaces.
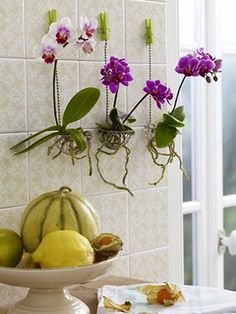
{"x":71,"y":141}
{"x":162,"y":135}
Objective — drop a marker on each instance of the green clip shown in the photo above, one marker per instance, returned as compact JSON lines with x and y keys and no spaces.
{"x":149,"y":31}
{"x":104,"y":26}
{"x":52,"y":16}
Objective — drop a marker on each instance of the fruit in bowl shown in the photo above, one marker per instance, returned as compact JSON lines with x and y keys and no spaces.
{"x":11,"y":248}
{"x":63,"y":248}
{"x":58,"y":210}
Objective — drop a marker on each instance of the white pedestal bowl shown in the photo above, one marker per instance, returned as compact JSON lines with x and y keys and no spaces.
{"x":48,"y":293}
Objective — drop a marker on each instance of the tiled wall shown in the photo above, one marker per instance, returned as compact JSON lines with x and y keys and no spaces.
{"x":26,"y":106}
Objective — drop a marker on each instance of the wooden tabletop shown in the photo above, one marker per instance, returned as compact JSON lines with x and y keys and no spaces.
{"x":88,"y":292}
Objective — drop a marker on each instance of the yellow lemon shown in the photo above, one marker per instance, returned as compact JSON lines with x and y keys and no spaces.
{"x":11,"y":248}
{"x":63,"y":248}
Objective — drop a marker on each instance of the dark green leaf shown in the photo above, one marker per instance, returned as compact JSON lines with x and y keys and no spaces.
{"x":179,"y":114}
{"x":123,"y":115}
{"x":104,"y":126}
{"x":79,"y":139}
{"x":80,"y":104}
{"x":37,"y":143}
{"x":115,"y":119}
{"x":164,"y":134}
{"x":172,"y":121}
{"x":51,"y":128}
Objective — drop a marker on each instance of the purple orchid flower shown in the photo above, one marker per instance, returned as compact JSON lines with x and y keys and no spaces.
{"x":188,"y":65}
{"x":116,"y":71}
{"x":48,"y":51}
{"x":160,"y":92}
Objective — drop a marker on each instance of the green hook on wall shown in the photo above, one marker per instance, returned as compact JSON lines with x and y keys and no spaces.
{"x":104,"y":26}
{"x":52,"y":16}
{"x":149,"y":31}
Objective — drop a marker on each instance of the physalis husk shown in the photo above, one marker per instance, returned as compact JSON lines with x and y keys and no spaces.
{"x":111,"y":305}
{"x":166,"y":293}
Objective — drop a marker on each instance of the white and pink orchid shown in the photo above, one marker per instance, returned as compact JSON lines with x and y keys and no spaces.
{"x":48,"y":51}
{"x":62,"y":33}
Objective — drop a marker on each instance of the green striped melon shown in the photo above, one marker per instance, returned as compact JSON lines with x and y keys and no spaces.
{"x":58,"y":210}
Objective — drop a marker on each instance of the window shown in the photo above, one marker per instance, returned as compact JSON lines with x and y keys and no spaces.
{"x":205,"y":141}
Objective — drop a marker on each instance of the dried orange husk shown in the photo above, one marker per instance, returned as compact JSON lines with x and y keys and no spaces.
{"x":111,"y":305}
{"x":107,"y":244}
{"x":166,"y":293}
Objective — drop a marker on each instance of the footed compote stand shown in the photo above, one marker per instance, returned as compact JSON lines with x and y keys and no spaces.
{"x":48,"y":293}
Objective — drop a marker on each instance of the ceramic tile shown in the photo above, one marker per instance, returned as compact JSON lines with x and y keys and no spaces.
{"x":135,"y":93}
{"x":120,"y":267}
{"x":48,"y":174}
{"x":13,"y":169}
{"x":150,"y":266}
{"x":36,"y":22}
{"x":136,"y":48}
{"x":11,"y":23}
{"x":12,"y":91}
{"x":90,"y":76}
{"x":112,"y":168}
{"x":113,"y":213}
{"x":142,"y":170}
{"x":116,"y":44}
{"x":39,"y":91}
{"x":10,"y":218}
{"x":148,"y":220}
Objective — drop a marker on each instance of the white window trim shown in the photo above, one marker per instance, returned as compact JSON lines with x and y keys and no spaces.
{"x":176,"y":273}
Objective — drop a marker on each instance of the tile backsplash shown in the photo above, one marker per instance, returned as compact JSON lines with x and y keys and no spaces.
{"x":26,"y":106}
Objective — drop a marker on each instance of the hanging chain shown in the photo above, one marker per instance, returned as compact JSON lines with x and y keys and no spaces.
{"x":150,"y":77}
{"x":107,"y":95}
{"x":58,"y":100}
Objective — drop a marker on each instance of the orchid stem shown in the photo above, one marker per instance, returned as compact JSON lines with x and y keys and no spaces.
{"x":54,"y":91}
{"x":115,"y":99}
{"x":177,"y":95}
{"x":129,"y":114}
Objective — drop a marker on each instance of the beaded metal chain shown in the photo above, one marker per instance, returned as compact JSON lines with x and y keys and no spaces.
{"x":150,"y":77}
{"x":107,"y":95}
{"x":58,"y":99}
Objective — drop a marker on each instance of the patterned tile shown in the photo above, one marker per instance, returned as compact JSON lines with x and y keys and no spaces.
{"x":116,"y":44}
{"x":113,"y":213}
{"x":150,"y":266}
{"x":148,"y":221}
{"x":11,"y":24}
{"x":48,"y":174}
{"x":12,"y":91}
{"x":142,"y":170}
{"x":36,"y":22}
{"x":39,"y":91}
{"x":10,"y":218}
{"x":90,"y":76}
{"x":13,"y":169}
{"x":135,"y":93}
{"x":112,"y":168}
{"x":136,"y":48}
{"x":120,"y":267}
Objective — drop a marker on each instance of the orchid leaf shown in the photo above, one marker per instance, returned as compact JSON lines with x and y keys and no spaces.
{"x":115,"y":119}
{"x":51,"y":128}
{"x":179,"y":114}
{"x":172,"y":121}
{"x":37,"y":143}
{"x":80,"y":104}
{"x":164,"y":134}
{"x":104,"y":126}
{"x":79,"y":139}
{"x":123,"y":115}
